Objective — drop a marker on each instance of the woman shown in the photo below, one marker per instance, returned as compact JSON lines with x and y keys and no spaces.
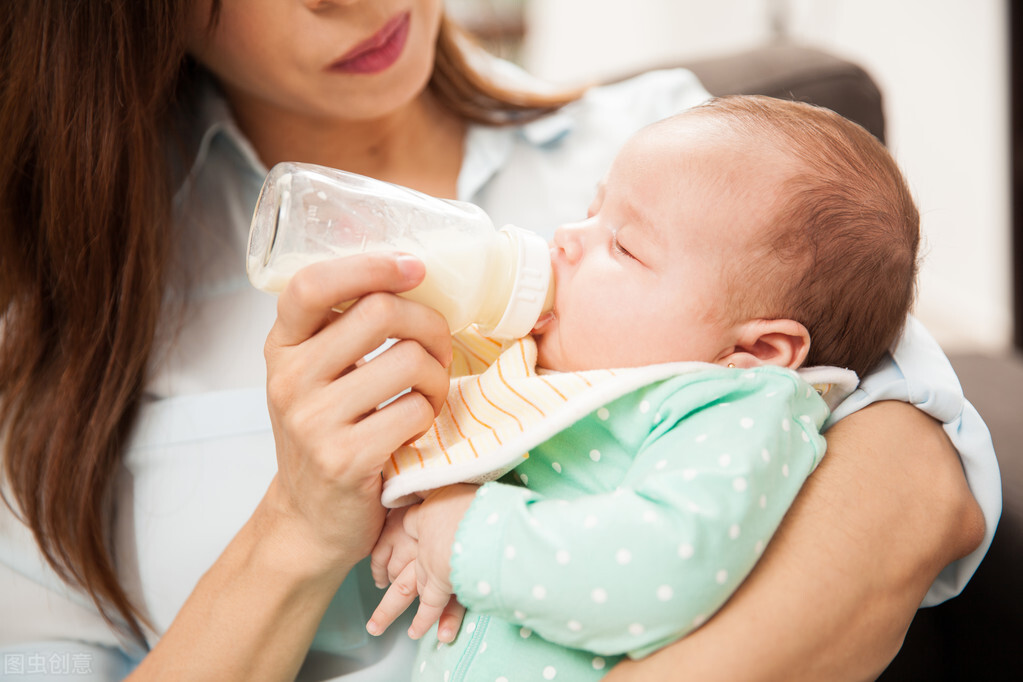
{"x":136,"y":440}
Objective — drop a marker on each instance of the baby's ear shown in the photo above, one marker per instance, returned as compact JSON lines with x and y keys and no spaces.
{"x":784,"y":343}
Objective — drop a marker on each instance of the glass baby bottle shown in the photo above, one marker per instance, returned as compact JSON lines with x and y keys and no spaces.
{"x":499,"y":279}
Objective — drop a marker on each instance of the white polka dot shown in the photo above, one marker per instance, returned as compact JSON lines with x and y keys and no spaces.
{"x":785,"y":425}
{"x":693,"y":507}
{"x":457,"y":548}
{"x":702,"y":437}
{"x":595,"y":455}
{"x":650,"y":516}
{"x":806,"y":437}
{"x":746,"y":423}
{"x":665,"y":593}
{"x":501,"y":679}
{"x":550,"y":672}
{"x":556,"y":466}
{"x":785,"y":470}
{"x":598,"y":663}
{"x":759,"y":547}
{"x":721,"y":576}
{"x":575,"y":626}
{"x":603,"y":414}
{"x":599,"y":595}
{"x":724,"y":460}
{"x":772,"y":394}
{"x":765,"y":455}
{"x":525,"y":633}
{"x":805,"y":418}
{"x":470,"y":627}
{"x":525,"y":479}
{"x":685,"y":551}
{"x":483,"y":587}
{"x":447,"y":675}
{"x":439,"y":645}
{"x":562,"y":556}
{"x":734,"y":531}
{"x":644,"y":407}
{"x":483,"y":647}
{"x":539,"y":592}
{"x":636,"y":629}
{"x":483,"y":491}
{"x":699,"y":620}
{"x":809,"y":391}
{"x":422,"y":666}
{"x":749,"y":375}
{"x":509,"y":552}
{"x":590,"y":521}
{"x":519,"y":615}
{"x":763,"y":501}
{"x":623,"y":556}
{"x":493,"y":518}
{"x":661,"y":464}
{"x":739,"y":483}
{"x":688,"y":474}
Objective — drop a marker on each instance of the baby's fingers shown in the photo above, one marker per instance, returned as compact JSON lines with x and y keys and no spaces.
{"x":432,"y":605}
{"x":399,"y":596}
{"x":379,"y":559}
{"x":450,"y":620}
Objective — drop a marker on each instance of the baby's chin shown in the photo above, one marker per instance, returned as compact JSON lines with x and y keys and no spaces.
{"x":546,"y":355}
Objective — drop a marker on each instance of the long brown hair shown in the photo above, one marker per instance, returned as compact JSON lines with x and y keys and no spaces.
{"x":87,"y":91}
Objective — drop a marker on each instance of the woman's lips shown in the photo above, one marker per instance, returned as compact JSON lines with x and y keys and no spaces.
{"x":377,"y":52}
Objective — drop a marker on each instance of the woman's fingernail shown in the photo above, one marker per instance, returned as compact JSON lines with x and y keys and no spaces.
{"x":409,"y":266}
{"x":372,"y":628}
{"x":445,"y":635}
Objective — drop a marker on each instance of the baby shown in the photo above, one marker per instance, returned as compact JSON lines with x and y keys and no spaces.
{"x":727,"y":247}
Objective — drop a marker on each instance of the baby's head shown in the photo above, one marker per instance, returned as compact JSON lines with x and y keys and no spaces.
{"x":735,"y":233}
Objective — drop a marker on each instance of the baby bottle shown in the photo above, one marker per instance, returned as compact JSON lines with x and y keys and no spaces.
{"x":498,"y":279}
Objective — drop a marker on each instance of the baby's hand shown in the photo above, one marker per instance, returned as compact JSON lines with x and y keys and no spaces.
{"x":432,"y":524}
{"x":395,"y":549}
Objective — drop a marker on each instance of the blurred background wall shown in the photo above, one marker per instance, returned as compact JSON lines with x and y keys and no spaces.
{"x":941,"y":64}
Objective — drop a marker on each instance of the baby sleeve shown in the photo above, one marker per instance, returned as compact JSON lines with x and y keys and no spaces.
{"x":701,"y":474}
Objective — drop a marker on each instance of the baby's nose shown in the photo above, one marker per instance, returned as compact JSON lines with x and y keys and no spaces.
{"x":569,"y":241}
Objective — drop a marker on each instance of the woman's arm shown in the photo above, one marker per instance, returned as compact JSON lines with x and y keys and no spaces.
{"x":834,"y":593}
{"x":253,"y":614}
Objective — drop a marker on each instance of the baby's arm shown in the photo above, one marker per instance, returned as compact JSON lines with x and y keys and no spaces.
{"x":633,"y":569}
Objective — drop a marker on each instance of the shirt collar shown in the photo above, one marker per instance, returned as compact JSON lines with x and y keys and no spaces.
{"x":487,"y":147}
{"x":210,"y":119}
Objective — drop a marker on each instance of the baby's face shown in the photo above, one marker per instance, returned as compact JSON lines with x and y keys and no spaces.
{"x":645,"y":278}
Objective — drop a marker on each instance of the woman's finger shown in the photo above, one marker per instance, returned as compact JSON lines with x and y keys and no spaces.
{"x":405,"y":365}
{"x":304,"y":307}
{"x":366,"y":325}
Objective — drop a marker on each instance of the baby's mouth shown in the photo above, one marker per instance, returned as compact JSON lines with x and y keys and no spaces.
{"x":545,"y":320}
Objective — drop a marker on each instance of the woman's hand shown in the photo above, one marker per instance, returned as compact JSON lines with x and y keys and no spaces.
{"x":332,"y":438}
{"x":254,"y":613}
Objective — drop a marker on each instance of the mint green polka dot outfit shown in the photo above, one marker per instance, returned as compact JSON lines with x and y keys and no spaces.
{"x":629,"y":529}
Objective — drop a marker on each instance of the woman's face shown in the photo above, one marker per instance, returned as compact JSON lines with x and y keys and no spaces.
{"x":347,"y":59}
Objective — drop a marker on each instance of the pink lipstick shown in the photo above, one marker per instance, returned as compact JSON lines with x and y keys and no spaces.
{"x":379,"y":51}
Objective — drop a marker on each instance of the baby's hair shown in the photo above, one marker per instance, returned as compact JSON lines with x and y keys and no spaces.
{"x":844,"y":218}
